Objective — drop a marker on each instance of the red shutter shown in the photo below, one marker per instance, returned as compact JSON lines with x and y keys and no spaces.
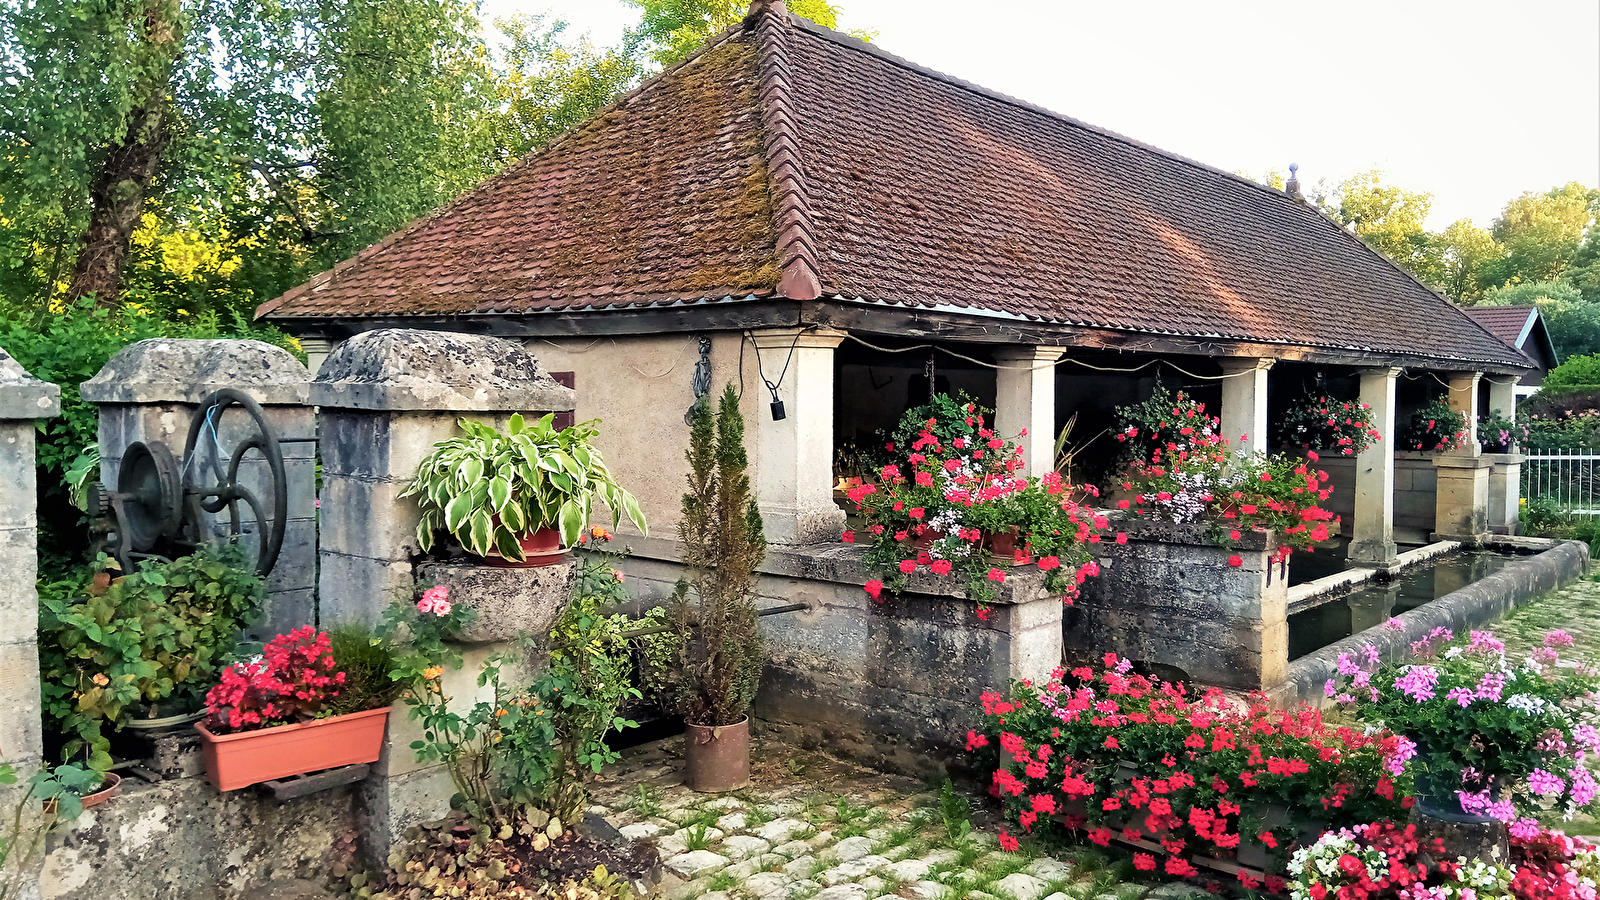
{"x":566,"y":379}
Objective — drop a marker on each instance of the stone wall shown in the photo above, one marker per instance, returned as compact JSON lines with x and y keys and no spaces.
{"x":1170,"y":597}
{"x":181,"y":840}
{"x":893,"y":684}
{"x":1416,"y":488}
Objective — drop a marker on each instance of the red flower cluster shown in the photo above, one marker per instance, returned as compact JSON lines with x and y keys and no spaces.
{"x":1125,"y":755}
{"x":292,"y":679}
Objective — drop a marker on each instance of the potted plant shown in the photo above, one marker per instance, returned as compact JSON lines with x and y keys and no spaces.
{"x":1435,"y":428}
{"x":1498,"y":434}
{"x":280,"y":714}
{"x":955,"y":505}
{"x":713,"y":610}
{"x":518,"y":497}
{"x":1321,"y":422}
{"x":149,"y":642}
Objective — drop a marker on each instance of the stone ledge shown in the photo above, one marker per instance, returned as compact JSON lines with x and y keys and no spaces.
{"x":399,"y":369}
{"x":841,"y":563}
{"x":509,"y":602}
{"x":174,"y":370}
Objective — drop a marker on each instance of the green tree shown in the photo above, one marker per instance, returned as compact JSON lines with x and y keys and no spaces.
{"x":722,"y":652}
{"x":547,"y":86}
{"x":1466,"y":254}
{"x":670,"y":30}
{"x":1577,"y":371}
{"x":1584,"y":273}
{"x":1541,"y":233}
{"x":1390,"y":219}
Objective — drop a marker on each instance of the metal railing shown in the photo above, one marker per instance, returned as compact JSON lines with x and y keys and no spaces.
{"x":1569,"y":479}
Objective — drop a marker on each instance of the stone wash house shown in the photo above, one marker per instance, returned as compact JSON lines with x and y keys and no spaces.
{"x":818,"y":222}
{"x":1523,"y":328}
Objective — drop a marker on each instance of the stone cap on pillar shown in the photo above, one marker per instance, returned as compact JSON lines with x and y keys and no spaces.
{"x":181,"y":370}
{"x":413,"y":369}
{"x":23,"y":396}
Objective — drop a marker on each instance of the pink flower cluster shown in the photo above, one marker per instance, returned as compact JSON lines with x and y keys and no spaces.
{"x":435,"y":601}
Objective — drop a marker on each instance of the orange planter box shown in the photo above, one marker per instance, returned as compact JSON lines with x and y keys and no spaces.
{"x":239,"y":760}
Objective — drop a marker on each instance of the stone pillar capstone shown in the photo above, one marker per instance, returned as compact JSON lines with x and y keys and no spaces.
{"x":1025,"y":403}
{"x":386,"y":397}
{"x":794,"y":485}
{"x":1372,"y":539}
{"x":1244,"y":403}
{"x":23,"y":400}
{"x":150,"y":390}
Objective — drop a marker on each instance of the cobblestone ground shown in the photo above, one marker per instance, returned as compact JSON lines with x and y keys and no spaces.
{"x":813,"y":828}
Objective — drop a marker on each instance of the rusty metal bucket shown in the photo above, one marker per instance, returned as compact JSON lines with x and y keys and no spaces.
{"x":717,"y":757}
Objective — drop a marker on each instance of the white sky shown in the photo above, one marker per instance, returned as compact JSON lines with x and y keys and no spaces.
{"x":1474,"y":101}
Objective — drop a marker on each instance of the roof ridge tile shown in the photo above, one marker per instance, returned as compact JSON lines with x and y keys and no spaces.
{"x":791,"y":208}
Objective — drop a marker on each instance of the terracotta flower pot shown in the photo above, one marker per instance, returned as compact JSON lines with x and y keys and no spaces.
{"x":717,"y":757}
{"x":109,"y":789}
{"x":1003,"y":546}
{"x":239,"y":760}
{"x":541,"y":548}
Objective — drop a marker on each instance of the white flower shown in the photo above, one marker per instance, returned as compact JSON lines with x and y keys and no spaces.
{"x":1526,"y":703}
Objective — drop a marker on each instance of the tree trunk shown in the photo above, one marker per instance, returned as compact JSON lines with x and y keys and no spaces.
{"x":119,"y":190}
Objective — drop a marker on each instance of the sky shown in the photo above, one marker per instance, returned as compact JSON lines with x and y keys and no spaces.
{"x":1474,"y":102}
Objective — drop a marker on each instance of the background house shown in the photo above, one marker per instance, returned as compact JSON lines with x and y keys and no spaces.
{"x":1523,"y":328}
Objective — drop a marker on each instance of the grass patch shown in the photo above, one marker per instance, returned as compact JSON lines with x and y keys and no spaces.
{"x":723,"y":881}
{"x":697,"y":837}
{"x":647,"y":802}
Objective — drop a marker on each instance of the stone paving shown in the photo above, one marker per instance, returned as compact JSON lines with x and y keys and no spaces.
{"x":813,"y":828}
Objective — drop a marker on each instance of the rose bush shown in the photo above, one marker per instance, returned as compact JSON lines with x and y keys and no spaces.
{"x":1122,"y":754}
{"x":1502,"y":740}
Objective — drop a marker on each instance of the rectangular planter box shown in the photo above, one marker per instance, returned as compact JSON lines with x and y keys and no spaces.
{"x":239,"y":760}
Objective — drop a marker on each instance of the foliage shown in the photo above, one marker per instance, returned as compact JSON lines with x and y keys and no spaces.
{"x":488,"y":489}
{"x":1541,"y":232}
{"x":670,"y":30}
{"x":1196,"y":477}
{"x":1435,"y":427}
{"x":1558,"y":422}
{"x":365,"y":661}
{"x":161,"y":632}
{"x":548,"y":86}
{"x":1501,"y":740}
{"x":52,"y":797}
{"x":942,"y":509}
{"x":1584,"y":273}
{"x":295,"y":679}
{"x":1324,"y":423}
{"x":585,"y":684}
{"x":1116,"y":751}
{"x":1390,"y":219}
{"x":1542,"y":517}
{"x":1577,"y":371}
{"x":1149,"y":426}
{"x":1498,"y":434}
{"x":721,"y":651}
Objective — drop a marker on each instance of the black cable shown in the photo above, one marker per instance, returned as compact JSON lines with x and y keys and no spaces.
{"x":761,"y":371}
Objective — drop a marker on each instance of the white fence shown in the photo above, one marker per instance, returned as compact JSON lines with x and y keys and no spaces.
{"x":1568,"y":478}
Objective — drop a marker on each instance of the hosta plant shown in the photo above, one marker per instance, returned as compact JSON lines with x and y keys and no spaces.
{"x":489,"y":488}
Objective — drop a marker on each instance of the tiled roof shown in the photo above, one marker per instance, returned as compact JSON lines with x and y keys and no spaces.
{"x":1508,"y":323}
{"x":789,"y":160}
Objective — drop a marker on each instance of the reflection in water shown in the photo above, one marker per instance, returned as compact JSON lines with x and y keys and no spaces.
{"x":1340,"y":617}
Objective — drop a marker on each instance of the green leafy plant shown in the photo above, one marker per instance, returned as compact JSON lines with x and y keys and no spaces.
{"x":161,"y":633}
{"x":956,"y":813}
{"x":697,"y":837}
{"x":1498,"y":434}
{"x":366,"y":661}
{"x":489,"y":489}
{"x":1163,"y":418}
{"x":722,"y":651}
{"x":51,"y":798}
{"x":1435,"y":427}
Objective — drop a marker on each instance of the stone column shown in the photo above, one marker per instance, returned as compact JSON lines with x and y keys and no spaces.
{"x":1372,"y":540}
{"x":1025,"y":403}
{"x":386,"y":397}
{"x":794,"y":485}
{"x":149,"y":392}
{"x":1244,"y":403}
{"x":23,"y":399}
{"x":1505,"y":479}
{"x":316,"y":350}
{"x":1462,"y":502}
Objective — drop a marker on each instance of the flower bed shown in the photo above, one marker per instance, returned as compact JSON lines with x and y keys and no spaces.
{"x":1383,"y":861}
{"x":1501,"y":740}
{"x":1126,"y":757}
